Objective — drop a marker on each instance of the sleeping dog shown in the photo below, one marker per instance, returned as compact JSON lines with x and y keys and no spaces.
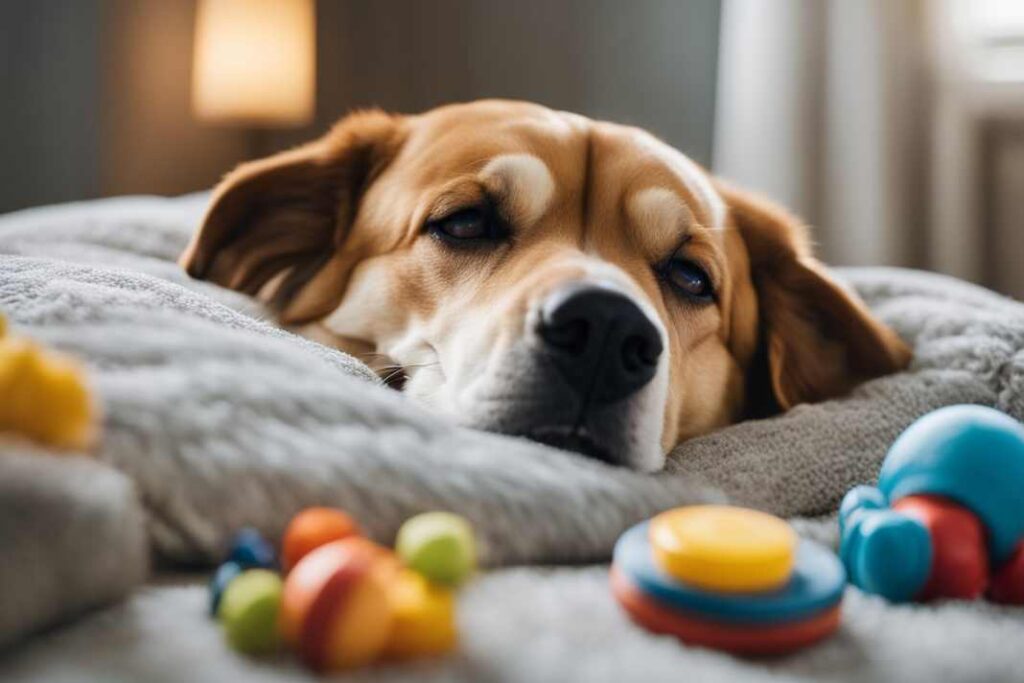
{"x":537,"y":273}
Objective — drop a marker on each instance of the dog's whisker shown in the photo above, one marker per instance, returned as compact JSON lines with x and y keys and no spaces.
{"x":389,"y":373}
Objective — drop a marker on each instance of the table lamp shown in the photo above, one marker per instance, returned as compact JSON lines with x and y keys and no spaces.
{"x":254,"y":63}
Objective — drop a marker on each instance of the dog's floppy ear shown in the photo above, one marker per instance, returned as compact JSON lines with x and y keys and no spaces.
{"x":819,"y":340}
{"x":284,"y":218}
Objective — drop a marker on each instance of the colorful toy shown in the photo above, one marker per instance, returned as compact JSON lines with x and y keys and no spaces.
{"x":731,"y":596}
{"x":250,"y":550}
{"x":424,"y":618}
{"x":731,"y":550}
{"x":947,"y":517}
{"x":346,"y":600}
{"x":44,"y":396}
{"x":312,"y":528}
{"x":336,"y":611}
{"x":438,"y":545}
{"x":249,"y":611}
{"x":226,"y":573}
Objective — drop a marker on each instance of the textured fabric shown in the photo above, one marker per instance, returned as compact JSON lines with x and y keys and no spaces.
{"x":539,"y":626}
{"x":71,"y":535}
{"x":219,"y":419}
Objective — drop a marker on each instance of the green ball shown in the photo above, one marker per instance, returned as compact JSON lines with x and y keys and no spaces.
{"x":248,"y":611}
{"x":438,"y":545}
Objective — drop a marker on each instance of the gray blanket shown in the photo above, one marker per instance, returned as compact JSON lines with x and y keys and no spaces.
{"x":215,"y":419}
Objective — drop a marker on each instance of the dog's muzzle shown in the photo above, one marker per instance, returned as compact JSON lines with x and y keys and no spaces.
{"x":604,"y":346}
{"x":583,"y":378}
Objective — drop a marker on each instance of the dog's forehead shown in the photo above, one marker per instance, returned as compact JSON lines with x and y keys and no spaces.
{"x":534,"y":154}
{"x":469,"y":131}
{"x":650,"y":164}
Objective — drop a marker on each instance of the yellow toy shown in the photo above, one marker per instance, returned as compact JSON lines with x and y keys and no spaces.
{"x":424,"y":617}
{"x":44,"y":396}
{"x":722,"y":548}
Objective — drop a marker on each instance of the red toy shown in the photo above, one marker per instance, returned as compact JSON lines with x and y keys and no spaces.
{"x":947,"y":518}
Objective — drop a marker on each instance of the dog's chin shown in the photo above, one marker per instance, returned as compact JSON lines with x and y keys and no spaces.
{"x":612,"y":435}
{"x":578,"y":440}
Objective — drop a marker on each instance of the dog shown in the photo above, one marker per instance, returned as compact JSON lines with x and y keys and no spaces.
{"x":538,"y":273}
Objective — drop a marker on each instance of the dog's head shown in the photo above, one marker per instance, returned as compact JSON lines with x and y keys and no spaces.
{"x":537,"y":273}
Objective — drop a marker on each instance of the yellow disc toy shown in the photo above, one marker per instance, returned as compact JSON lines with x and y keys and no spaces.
{"x":724,"y":548}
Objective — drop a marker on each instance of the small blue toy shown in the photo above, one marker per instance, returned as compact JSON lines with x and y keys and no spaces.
{"x":225,"y":574}
{"x":250,"y":550}
{"x":947,"y":517}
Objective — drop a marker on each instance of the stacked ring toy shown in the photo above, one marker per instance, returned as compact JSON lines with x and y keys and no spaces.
{"x":728,"y":578}
{"x":947,"y":517}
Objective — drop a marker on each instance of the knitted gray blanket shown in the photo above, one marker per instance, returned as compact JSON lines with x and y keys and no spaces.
{"x":216,"y":419}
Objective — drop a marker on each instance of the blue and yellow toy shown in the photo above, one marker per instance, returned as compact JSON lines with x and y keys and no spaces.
{"x":947,"y":517}
{"x":728,"y":578}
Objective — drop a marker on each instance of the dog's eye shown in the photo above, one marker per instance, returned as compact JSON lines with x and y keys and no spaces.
{"x":467,"y":225}
{"x":689,"y":279}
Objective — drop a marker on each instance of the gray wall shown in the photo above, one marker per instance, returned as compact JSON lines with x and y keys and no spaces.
{"x":647,"y":62}
{"x":101,"y":87}
{"x":49,"y":78}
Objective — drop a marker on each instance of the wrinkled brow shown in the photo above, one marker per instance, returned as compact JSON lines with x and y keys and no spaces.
{"x":522,"y":183}
{"x":660,"y":220}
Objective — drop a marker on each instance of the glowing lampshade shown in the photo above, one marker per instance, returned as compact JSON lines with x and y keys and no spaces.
{"x":254,"y":61}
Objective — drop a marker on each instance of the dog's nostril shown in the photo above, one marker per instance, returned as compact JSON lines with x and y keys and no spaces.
{"x":639,"y":353}
{"x":569,"y":336}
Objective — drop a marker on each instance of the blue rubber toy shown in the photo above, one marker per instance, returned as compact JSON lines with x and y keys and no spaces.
{"x":251,"y":551}
{"x":970,"y":455}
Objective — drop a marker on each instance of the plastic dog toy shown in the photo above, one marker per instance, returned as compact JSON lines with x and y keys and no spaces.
{"x":345,"y":601}
{"x":249,"y":609}
{"x":44,"y":396}
{"x":335,"y":610}
{"x":438,"y":545}
{"x":947,"y":517}
{"x":728,"y":578}
{"x":312,"y":528}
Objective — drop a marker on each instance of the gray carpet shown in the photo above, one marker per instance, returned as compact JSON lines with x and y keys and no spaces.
{"x":538,"y":626}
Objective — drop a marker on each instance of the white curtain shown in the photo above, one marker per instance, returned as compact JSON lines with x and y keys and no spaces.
{"x":822,"y":105}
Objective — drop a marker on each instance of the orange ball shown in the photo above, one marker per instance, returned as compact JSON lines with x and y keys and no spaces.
{"x":312,"y":528}
{"x":335,"y":608}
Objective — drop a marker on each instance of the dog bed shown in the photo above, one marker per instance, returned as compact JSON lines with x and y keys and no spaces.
{"x":215,"y":419}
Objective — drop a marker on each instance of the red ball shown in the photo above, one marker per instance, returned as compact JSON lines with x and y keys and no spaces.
{"x":960,"y":557}
{"x":1008,"y":581}
{"x":335,"y":607}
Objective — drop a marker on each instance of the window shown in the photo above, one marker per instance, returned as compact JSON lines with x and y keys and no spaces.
{"x":995,"y":39}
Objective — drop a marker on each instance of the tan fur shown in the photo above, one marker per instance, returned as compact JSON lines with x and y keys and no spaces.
{"x":339,"y":223}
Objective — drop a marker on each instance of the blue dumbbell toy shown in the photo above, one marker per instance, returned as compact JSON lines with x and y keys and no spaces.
{"x":947,"y":517}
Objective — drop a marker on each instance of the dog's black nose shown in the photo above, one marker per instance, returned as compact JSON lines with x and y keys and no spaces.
{"x":603,"y":344}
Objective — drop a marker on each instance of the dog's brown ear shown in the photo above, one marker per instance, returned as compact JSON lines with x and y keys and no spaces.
{"x":819,"y":340}
{"x":286,"y":217}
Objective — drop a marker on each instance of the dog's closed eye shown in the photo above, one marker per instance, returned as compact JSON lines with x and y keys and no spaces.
{"x":470,"y":227}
